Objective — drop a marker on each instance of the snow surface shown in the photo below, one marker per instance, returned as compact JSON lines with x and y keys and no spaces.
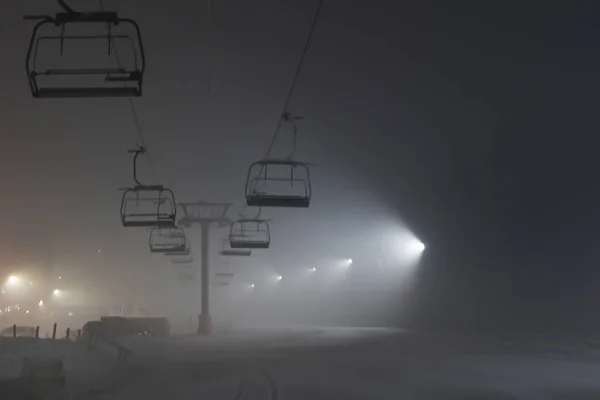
{"x":321,"y":363}
{"x":86,"y":370}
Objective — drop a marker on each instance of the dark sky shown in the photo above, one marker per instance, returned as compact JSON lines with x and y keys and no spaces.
{"x":473,"y":123}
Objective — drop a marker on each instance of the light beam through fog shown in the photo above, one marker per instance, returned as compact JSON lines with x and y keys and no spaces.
{"x":318,"y":263}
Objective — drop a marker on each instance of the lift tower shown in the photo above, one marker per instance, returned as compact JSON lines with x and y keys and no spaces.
{"x":206,"y":215}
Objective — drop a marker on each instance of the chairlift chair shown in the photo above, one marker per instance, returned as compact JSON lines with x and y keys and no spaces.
{"x":71,"y":35}
{"x":278,"y":183}
{"x":182,"y":255}
{"x":227,"y":250}
{"x":186,"y":251}
{"x":147,"y":205}
{"x":182,"y":258}
{"x":186,"y":278}
{"x":167,"y":240}
{"x":250,"y":234}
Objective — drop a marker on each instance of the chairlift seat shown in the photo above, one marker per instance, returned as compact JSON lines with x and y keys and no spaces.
{"x":63,"y":92}
{"x":168,"y":220}
{"x":228,"y":250}
{"x":82,"y":71}
{"x":261,"y":200}
{"x":168,"y":250}
{"x":186,"y":251}
{"x":236,"y":252}
{"x":249,"y":244}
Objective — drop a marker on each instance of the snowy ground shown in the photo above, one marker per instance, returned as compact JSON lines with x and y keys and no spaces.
{"x":339,"y":363}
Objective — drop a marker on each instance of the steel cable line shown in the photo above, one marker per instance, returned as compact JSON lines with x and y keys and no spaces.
{"x":208,"y":51}
{"x":136,"y":119}
{"x":285,"y":115}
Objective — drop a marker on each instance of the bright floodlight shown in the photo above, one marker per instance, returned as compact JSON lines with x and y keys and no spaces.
{"x":415,"y":246}
{"x":279,"y":277}
{"x":405,"y":247}
{"x":13,"y":280}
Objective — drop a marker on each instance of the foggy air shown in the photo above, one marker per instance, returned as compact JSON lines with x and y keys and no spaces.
{"x":297,"y":199}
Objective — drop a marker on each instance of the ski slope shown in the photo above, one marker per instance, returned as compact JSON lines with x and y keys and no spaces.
{"x":326,"y":363}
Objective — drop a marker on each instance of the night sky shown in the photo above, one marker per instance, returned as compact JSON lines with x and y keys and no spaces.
{"x":471,"y":122}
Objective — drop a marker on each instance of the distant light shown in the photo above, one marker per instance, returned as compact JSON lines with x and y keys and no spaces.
{"x":3,"y":291}
{"x":313,"y":269}
{"x":30,"y":283}
{"x":56,"y":292}
{"x":41,"y":303}
{"x":27,"y":312}
{"x":99,"y":251}
{"x":252,"y":285}
{"x":346,"y":262}
{"x":279,"y":277}
{"x":70,"y":314}
{"x":60,"y":277}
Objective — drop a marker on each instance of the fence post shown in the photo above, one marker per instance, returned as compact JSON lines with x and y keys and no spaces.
{"x":68,"y":332}
{"x":78,"y":333}
{"x":54,"y":331}
{"x":14,"y":331}
{"x":37,"y":332}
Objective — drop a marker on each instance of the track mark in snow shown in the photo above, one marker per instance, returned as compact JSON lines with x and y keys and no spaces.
{"x":239,"y":394}
{"x":272,"y":384}
{"x":248,"y":389}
